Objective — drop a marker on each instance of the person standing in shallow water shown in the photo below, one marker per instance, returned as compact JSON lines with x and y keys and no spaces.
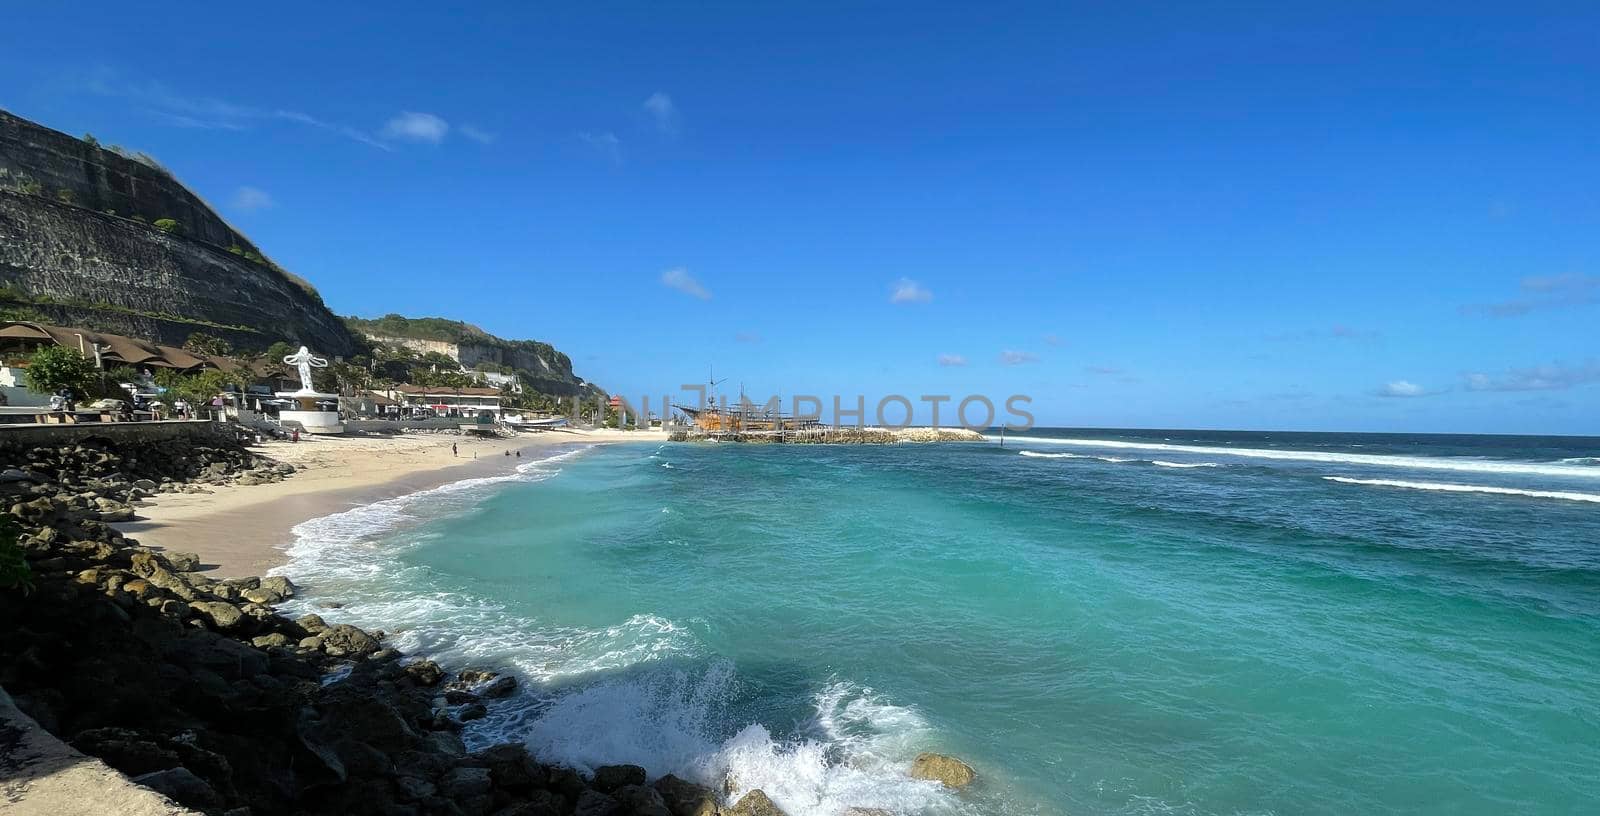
{"x":453,"y":449}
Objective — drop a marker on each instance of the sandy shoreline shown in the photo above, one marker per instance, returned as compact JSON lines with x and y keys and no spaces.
{"x":239,"y":531}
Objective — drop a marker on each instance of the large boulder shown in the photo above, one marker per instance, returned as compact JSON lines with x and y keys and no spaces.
{"x":595,"y":803}
{"x":754,"y":803}
{"x":465,"y":783}
{"x":181,"y":786}
{"x":685,"y":798}
{"x":344,"y":640}
{"x":639,"y":800}
{"x":424,"y":672}
{"x":943,"y":768}
{"x":220,"y":615}
{"x":609,"y":778}
{"x":184,"y":561}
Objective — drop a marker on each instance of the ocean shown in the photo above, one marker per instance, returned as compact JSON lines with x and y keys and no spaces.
{"x":1100,"y":622}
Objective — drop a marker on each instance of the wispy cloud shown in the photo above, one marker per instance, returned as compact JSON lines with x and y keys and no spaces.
{"x":664,"y":113}
{"x":1336,"y":332}
{"x":478,"y":134}
{"x":1052,"y":340}
{"x":679,"y":278}
{"x":1011,"y":358}
{"x":605,"y":142}
{"x":250,"y":199}
{"x":1543,"y":292}
{"x":1102,"y":371}
{"x":907,"y":290}
{"x":746,"y":337}
{"x":411,"y":126}
{"x":209,"y":113}
{"x":952,"y":360}
{"x":1404,"y":388}
{"x":1538,"y":378}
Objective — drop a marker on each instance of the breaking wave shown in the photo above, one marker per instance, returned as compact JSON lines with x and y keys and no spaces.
{"x":644,"y":691}
{"x":1118,"y":460}
{"x":1463,"y":488}
{"x":1565,"y":468}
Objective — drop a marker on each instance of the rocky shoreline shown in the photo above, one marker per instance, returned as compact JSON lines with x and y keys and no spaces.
{"x":196,"y":688}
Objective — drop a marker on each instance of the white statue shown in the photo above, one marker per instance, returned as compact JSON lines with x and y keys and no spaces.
{"x":305,"y":361}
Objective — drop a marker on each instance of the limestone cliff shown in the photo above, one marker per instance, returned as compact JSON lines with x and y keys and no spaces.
{"x":542,"y":367}
{"x":79,"y":245}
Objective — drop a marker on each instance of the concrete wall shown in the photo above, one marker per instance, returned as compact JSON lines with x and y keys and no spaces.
{"x":23,"y":437}
{"x":43,"y":776}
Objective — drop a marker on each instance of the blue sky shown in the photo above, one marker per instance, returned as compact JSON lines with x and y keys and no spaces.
{"x":1375,"y":216}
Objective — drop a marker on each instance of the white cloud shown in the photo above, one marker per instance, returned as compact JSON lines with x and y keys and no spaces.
{"x":250,"y":199}
{"x":416,"y":127}
{"x":907,"y":290}
{"x":606,"y":143}
{"x":952,"y":360}
{"x":1009,"y":357}
{"x":1102,"y":370}
{"x":477,"y":134}
{"x":1544,"y":292}
{"x":665,"y":114}
{"x":1538,"y":378}
{"x":679,"y":278}
{"x":1052,"y":340}
{"x":746,"y":337}
{"x":1403,"y":388}
{"x":209,"y":114}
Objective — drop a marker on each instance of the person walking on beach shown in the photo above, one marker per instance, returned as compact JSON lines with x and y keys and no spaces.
{"x":453,"y":449}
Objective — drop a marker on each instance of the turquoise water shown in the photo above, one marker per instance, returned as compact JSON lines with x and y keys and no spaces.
{"x":1099,"y":622}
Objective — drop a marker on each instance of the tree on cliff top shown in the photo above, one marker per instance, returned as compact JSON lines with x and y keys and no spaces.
{"x":53,"y":368}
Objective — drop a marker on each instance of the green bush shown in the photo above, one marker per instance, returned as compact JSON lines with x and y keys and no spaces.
{"x":32,"y":187}
{"x":66,"y":196}
{"x":168,"y":225}
{"x":53,"y":368}
{"x":277,"y":351}
{"x":196,"y":389}
{"x":89,"y":139}
{"x":14,"y":572}
{"x":203,"y":343}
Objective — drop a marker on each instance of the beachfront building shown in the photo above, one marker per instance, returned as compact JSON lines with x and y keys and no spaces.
{"x":19,"y":339}
{"x":444,"y":401}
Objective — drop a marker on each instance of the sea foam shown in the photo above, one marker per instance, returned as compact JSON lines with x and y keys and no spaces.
{"x":1119,"y":460}
{"x":643,"y":691}
{"x":1574,"y":470}
{"x":1465,"y":488}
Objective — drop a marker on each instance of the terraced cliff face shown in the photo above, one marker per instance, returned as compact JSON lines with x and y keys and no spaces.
{"x":64,"y":256}
{"x":541,"y":366}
